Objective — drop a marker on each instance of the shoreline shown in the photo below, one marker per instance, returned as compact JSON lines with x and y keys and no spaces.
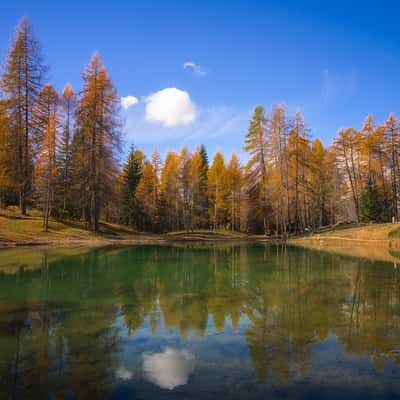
{"x":139,"y":239}
{"x":382,"y":249}
{"x":373,"y":241}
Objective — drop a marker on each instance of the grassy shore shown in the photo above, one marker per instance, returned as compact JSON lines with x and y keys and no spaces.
{"x":374,"y":241}
{"x":17,"y":230}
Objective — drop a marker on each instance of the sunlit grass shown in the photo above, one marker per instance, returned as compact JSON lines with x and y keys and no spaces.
{"x":364,"y":232}
{"x":208,"y":232}
{"x":372,"y":241}
{"x":14,"y":227}
{"x":395,"y":233}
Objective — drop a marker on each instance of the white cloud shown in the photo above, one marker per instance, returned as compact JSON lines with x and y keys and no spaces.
{"x":124,"y":374}
{"x":128,"y":101}
{"x":197,"y":69}
{"x":170,"y":107}
{"x":168,"y":369}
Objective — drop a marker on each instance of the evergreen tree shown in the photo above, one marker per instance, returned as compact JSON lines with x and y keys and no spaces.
{"x":130,"y":179}
{"x":370,"y":203}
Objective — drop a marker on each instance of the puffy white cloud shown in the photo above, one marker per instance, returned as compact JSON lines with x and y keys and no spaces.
{"x":170,"y":107}
{"x":197,"y":69}
{"x":128,"y":101}
{"x":168,"y":369}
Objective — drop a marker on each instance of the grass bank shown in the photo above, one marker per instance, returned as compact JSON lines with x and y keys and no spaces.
{"x":17,"y":230}
{"x":374,"y":241}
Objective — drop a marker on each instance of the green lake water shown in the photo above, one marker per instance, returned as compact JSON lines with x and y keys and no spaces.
{"x":198,"y":322}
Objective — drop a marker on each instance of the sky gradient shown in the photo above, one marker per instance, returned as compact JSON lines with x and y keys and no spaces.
{"x":335,"y":63}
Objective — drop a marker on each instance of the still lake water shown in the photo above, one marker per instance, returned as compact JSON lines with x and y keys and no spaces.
{"x":198,"y":322}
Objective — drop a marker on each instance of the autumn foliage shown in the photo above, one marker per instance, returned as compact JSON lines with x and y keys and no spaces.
{"x":62,"y":153}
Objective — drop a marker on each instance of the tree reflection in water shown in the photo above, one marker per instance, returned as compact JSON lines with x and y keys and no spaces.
{"x":66,"y":321}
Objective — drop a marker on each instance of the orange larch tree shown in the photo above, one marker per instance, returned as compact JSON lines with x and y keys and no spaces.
{"x":45,"y":121}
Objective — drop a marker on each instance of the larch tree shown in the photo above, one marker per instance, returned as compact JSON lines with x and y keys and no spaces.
{"x":145,"y":196}
{"x":347,"y":146}
{"x":298,"y":152}
{"x":193,"y":172}
{"x":7,"y":158}
{"x":170,"y":200}
{"x":202,"y":200}
{"x":278,"y":159}
{"x":234,"y":181}
{"x":217,"y":191}
{"x":198,"y":184}
{"x":289,"y":184}
{"x":20,"y":84}
{"x":392,"y":130}
{"x":184,"y":187}
{"x":157,"y":165}
{"x":368,"y":142}
{"x":379,"y":169}
{"x":256,"y":146}
{"x":98,"y":124}
{"x":68,"y":103}
{"x":45,"y":122}
{"x":323,"y":184}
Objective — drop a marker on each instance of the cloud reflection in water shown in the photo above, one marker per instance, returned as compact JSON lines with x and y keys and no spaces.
{"x":168,"y":369}
{"x":123,"y":374}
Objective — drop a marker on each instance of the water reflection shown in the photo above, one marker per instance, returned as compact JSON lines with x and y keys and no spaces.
{"x":168,"y":369}
{"x":100,"y":323}
{"x":123,"y":374}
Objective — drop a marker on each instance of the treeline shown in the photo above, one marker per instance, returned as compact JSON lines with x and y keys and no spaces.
{"x":60,"y":153}
{"x":294,"y":184}
{"x":290,"y":183}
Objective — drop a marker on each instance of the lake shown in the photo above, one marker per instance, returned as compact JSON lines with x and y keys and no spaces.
{"x":198,"y":321}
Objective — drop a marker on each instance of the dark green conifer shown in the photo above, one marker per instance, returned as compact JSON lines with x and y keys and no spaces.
{"x":370,"y":204}
{"x":131,"y":176}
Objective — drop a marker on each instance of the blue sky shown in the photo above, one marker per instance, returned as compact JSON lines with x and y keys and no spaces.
{"x":336,"y":61}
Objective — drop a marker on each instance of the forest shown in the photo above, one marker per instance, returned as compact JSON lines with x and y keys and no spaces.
{"x":61,"y":153}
